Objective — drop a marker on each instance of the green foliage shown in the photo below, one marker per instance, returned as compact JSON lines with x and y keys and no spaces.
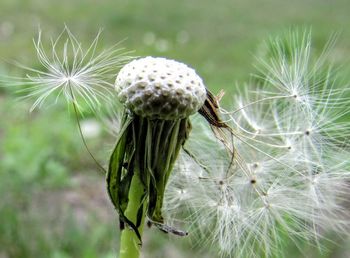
{"x":36,"y":157}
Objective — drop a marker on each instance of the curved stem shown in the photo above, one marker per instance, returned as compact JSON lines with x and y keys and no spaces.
{"x":130,"y":245}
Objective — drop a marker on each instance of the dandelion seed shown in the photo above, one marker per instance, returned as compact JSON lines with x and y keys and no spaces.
{"x":70,"y":70}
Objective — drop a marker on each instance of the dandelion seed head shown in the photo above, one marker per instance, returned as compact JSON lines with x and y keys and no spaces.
{"x":290,"y":170}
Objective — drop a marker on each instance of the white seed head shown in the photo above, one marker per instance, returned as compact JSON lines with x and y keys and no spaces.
{"x":160,"y":88}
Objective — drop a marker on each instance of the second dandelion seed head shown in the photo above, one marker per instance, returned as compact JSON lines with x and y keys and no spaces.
{"x":159,"y":88}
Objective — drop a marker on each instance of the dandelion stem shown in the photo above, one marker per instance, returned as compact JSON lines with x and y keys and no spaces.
{"x":130,"y":244}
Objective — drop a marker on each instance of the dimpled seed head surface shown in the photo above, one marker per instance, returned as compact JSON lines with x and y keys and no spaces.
{"x":159,"y":88}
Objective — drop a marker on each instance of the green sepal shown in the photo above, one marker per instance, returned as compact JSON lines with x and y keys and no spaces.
{"x":118,"y":184}
{"x":170,"y":136}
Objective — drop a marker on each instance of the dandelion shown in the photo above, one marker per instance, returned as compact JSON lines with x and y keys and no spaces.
{"x":275,"y":166}
{"x":290,"y":175}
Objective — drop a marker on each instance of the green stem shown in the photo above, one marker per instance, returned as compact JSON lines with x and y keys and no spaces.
{"x":129,"y":243}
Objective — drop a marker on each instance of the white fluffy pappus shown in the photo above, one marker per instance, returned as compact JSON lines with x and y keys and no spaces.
{"x":80,"y":74}
{"x":290,"y":177}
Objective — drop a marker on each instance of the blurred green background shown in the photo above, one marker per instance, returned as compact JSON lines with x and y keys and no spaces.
{"x":52,"y":197}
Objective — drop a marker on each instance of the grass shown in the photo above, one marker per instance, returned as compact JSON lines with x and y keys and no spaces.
{"x":53,"y":200}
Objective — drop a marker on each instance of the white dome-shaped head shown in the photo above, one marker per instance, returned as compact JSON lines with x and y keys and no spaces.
{"x":159,"y":88}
